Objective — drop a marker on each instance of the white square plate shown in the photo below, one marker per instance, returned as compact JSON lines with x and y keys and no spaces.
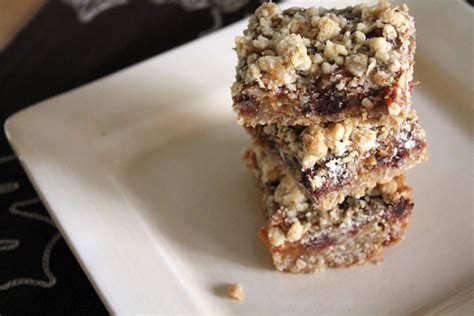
{"x":141,"y":171}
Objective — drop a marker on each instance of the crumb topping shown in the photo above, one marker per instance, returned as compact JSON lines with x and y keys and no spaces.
{"x":357,"y":49}
{"x":276,"y":236}
{"x":288,"y":194}
{"x":328,"y":153}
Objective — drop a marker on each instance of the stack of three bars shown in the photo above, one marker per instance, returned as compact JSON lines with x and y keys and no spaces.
{"x":325,"y":95}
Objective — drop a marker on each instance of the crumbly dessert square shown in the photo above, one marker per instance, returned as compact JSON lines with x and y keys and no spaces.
{"x":302,"y":66}
{"x":336,"y":159}
{"x":304,"y":239}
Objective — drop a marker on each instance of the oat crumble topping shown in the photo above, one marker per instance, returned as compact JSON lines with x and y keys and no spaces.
{"x":330,"y":149}
{"x":281,"y":48}
{"x":304,"y":54}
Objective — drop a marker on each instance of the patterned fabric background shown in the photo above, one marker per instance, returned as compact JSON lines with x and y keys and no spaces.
{"x":69,"y":43}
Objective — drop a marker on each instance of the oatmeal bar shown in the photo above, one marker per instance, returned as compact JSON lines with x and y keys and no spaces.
{"x":332,"y":160}
{"x":304,"y":66}
{"x":303,"y":239}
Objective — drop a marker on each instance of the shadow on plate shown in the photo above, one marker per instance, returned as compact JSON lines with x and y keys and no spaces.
{"x":195,"y":190}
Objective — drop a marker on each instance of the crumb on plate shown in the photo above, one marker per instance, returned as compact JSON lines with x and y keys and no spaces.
{"x":236,"y":291}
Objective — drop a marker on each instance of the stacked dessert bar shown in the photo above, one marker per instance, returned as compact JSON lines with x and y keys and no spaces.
{"x":326,"y":98}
